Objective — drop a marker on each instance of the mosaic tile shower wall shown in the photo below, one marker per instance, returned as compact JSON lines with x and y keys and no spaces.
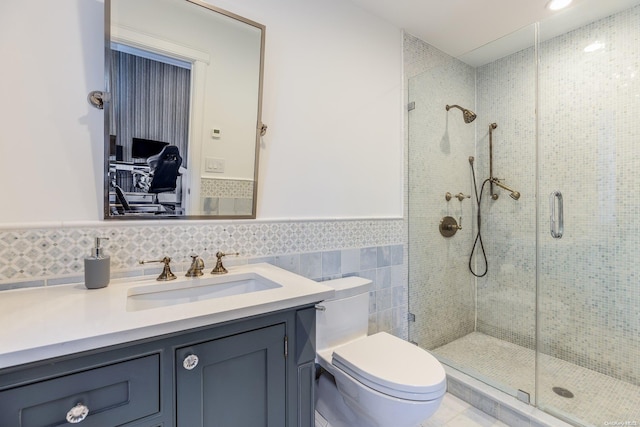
{"x":588,"y":294}
{"x":506,"y":96}
{"x":589,"y":127}
{"x":440,"y":143}
{"x":319,"y":250}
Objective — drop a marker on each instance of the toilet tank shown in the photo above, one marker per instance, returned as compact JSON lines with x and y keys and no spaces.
{"x":345,"y":317}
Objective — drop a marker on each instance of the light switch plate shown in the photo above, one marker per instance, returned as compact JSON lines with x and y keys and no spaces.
{"x":213,"y":165}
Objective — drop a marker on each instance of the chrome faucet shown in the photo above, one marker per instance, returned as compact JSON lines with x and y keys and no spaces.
{"x":219,"y":268}
{"x":197,"y":265}
{"x":166,"y":271}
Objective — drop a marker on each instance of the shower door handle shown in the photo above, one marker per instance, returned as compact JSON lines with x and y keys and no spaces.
{"x":556,"y":221}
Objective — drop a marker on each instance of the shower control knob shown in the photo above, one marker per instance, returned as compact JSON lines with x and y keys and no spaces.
{"x":449,"y":226}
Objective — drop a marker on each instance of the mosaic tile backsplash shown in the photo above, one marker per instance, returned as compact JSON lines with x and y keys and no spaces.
{"x":226,"y":196}
{"x":212,"y":187}
{"x":319,"y":250}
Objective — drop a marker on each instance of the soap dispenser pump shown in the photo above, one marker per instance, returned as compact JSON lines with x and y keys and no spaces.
{"x":97,"y":267}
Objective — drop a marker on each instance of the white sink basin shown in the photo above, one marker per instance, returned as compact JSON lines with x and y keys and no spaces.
{"x":165,"y":294}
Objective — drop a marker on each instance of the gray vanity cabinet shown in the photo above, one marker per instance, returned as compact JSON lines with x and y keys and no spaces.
{"x":233,"y":381}
{"x":254,"y":372}
{"x":114,"y":394}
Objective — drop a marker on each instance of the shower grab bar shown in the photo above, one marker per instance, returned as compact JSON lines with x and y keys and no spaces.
{"x":557,"y":226}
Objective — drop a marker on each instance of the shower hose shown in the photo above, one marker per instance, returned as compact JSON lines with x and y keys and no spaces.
{"x":478,"y":234}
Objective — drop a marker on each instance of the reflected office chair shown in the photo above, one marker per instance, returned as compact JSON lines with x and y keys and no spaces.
{"x":164,"y":168}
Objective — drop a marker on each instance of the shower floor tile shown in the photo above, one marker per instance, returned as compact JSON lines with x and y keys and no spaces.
{"x":598,"y":400}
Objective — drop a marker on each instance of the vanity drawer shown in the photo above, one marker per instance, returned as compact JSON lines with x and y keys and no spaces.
{"x":115,"y":394}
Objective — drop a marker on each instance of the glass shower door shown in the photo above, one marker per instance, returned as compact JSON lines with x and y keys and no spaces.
{"x":588,"y":327}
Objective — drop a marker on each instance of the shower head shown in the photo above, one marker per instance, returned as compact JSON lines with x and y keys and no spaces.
{"x":515,"y":195}
{"x":468,"y":115}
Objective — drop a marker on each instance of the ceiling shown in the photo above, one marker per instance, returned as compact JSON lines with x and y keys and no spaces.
{"x":458,"y":27}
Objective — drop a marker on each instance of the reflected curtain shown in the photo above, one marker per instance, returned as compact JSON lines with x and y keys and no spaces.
{"x":150,"y":100}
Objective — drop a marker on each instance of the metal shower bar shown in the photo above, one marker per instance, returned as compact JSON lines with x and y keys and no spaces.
{"x":515,"y":195}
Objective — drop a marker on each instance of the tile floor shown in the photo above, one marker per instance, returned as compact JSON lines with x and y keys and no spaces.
{"x":456,"y":413}
{"x":453,"y":412}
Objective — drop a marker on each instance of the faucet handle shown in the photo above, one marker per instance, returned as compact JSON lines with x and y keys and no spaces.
{"x":219,"y":268}
{"x":197,"y":265}
{"x":166,"y":271}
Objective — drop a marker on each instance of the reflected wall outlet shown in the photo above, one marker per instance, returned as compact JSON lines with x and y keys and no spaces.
{"x":214,"y":165}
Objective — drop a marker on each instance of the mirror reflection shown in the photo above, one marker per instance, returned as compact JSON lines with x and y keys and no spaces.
{"x":185,"y":111}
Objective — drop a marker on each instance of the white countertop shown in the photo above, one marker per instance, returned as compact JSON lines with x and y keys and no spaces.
{"x":40,"y":323}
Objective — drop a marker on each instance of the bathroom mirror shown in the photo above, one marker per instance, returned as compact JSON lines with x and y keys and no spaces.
{"x":183,"y":119}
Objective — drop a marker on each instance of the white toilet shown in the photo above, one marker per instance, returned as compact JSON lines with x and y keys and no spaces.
{"x":375,"y":381}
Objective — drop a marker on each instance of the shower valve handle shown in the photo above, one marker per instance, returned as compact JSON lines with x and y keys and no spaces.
{"x":449,"y":226}
{"x":452,"y":227}
{"x":455,"y":226}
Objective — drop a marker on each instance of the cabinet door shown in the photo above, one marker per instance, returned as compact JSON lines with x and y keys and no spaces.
{"x":238,"y":381}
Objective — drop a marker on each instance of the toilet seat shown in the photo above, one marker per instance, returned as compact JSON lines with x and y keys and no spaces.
{"x":399,"y":368}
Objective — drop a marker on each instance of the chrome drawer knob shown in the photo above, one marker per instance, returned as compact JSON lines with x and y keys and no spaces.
{"x":77,"y":414}
{"x":190,"y":362}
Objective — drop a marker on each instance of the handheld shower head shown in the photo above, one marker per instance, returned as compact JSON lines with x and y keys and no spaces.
{"x":468,"y":115}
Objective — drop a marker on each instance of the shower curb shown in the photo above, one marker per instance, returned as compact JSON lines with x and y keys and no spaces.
{"x":499,"y":405}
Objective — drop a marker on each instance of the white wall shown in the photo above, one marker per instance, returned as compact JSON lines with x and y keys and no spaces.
{"x":332,"y":100}
{"x":228,"y":83}
{"x":51,"y":144}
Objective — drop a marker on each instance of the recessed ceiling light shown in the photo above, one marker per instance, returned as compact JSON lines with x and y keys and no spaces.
{"x":558,"y":4}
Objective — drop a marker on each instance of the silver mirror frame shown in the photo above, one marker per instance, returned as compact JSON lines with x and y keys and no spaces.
{"x":102,"y":100}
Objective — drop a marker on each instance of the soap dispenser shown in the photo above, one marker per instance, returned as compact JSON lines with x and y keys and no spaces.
{"x":97,"y":267}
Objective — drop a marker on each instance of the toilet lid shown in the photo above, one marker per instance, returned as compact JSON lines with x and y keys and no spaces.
{"x":392,"y":366}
